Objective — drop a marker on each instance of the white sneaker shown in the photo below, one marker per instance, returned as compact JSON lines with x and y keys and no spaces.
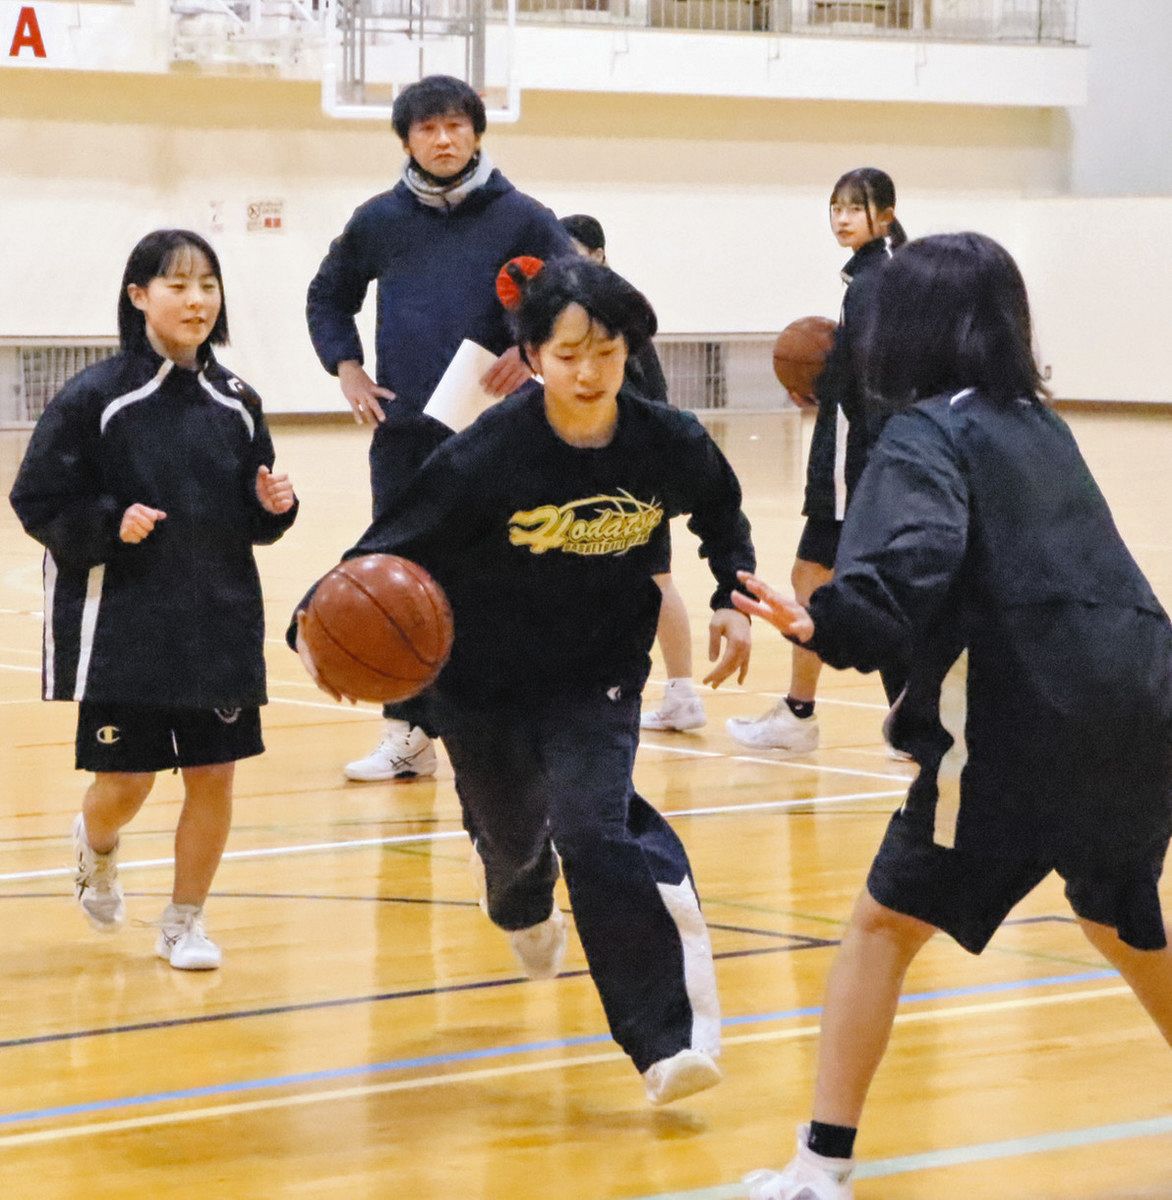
{"x":684,"y":1074}
{"x":809,"y":1176}
{"x":95,"y":881}
{"x":541,"y":948}
{"x":681,"y":709}
{"x":183,"y":940}
{"x":778,"y":729}
{"x":405,"y":752}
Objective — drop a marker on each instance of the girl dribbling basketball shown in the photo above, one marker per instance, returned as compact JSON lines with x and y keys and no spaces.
{"x":545,"y":522}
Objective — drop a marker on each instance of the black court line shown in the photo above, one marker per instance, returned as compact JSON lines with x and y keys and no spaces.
{"x":793,"y":942}
{"x":797,"y":943}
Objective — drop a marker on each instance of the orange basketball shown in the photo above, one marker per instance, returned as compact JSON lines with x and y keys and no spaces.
{"x":799,"y":354}
{"x":378,"y":628}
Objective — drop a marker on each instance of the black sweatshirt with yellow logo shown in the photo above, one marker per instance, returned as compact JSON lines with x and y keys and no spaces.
{"x":547,"y":551}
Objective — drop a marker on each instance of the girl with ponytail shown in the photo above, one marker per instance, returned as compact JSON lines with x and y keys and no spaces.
{"x":863,"y":220}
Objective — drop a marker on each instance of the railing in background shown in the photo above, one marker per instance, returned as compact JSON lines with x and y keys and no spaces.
{"x":1036,"y":21}
{"x":275,"y":32}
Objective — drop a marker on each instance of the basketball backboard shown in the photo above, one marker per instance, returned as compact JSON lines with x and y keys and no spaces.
{"x":375,"y":48}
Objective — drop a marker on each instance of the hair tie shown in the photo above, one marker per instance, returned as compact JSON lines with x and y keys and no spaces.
{"x":513,"y":277}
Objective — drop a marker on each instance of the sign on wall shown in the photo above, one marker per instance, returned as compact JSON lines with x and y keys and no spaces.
{"x":27,"y":38}
{"x":265,"y":216}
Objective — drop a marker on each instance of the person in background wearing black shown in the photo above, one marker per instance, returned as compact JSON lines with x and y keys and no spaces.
{"x":681,"y":708}
{"x":863,"y":220}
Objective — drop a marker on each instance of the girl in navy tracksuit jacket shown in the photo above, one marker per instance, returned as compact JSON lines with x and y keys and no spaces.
{"x":862,"y":218}
{"x":149,"y":480}
{"x":1039,"y":700}
{"x":545,"y":522}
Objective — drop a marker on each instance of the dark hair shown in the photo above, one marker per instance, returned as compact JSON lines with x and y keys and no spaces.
{"x":585,"y":229}
{"x":155,"y":255}
{"x":874,"y":190}
{"x":436,"y":96}
{"x":950,"y":312}
{"x":621,"y":309}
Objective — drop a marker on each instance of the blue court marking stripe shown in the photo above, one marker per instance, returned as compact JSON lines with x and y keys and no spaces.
{"x":1066,"y":1139}
{"x":488,"y":1052}
{"x":959,"y":1156}
{"x":977,"y":989}
{"x":282,"y":1081}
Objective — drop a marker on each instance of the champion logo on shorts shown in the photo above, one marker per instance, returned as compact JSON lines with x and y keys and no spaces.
{"x":108,"y":735}
{"x":228,"y":715}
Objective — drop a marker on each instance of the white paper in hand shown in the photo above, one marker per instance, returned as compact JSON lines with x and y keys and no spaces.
{"x":458,"y":398}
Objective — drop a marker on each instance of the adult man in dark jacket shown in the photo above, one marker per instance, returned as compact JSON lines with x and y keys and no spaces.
{"x":435,"y":243}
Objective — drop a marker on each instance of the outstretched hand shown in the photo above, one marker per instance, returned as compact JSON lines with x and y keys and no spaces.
{"x":770,"y":605}
{"x":733,"y":630}
{"x":274,"y":492}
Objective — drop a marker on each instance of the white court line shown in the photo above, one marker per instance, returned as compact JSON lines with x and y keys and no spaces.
{"x":735,"y":690}
{"x":793,"y":764}
{"x":365,"y":711}
{"x":352,"y":710}
{"x":800,"y":766}
{"x":294,"y":683}
{"x":360,"y":1091}
{"x":262,"y":852}
{"x":405,"y":839}
{"x":765,"y":805}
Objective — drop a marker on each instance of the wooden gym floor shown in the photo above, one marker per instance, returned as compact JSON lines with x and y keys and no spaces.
{"x":368,"y":1035}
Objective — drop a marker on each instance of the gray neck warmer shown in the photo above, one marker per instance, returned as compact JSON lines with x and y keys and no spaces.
{"x":447,"y":193}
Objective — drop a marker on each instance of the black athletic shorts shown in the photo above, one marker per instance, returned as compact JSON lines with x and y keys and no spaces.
{"x":968,"y":895}
{"x":819,"y":542}
{"x":127,"y":737}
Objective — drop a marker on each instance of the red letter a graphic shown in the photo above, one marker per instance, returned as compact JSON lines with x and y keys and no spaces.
{"x":28,"y":33}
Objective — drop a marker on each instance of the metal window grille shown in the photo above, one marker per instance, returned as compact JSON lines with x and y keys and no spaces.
{"x":723,"y":371}
{"x":31,"y":374}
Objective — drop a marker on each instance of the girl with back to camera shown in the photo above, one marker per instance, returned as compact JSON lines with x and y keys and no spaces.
{"x":149,"y":480}
{"x":862,"y":219}
{"x":1039,"y":697}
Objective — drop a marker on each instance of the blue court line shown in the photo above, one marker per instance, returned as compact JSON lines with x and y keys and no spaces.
{"x":957,"y":1156}
{"x":466,"y":1056}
